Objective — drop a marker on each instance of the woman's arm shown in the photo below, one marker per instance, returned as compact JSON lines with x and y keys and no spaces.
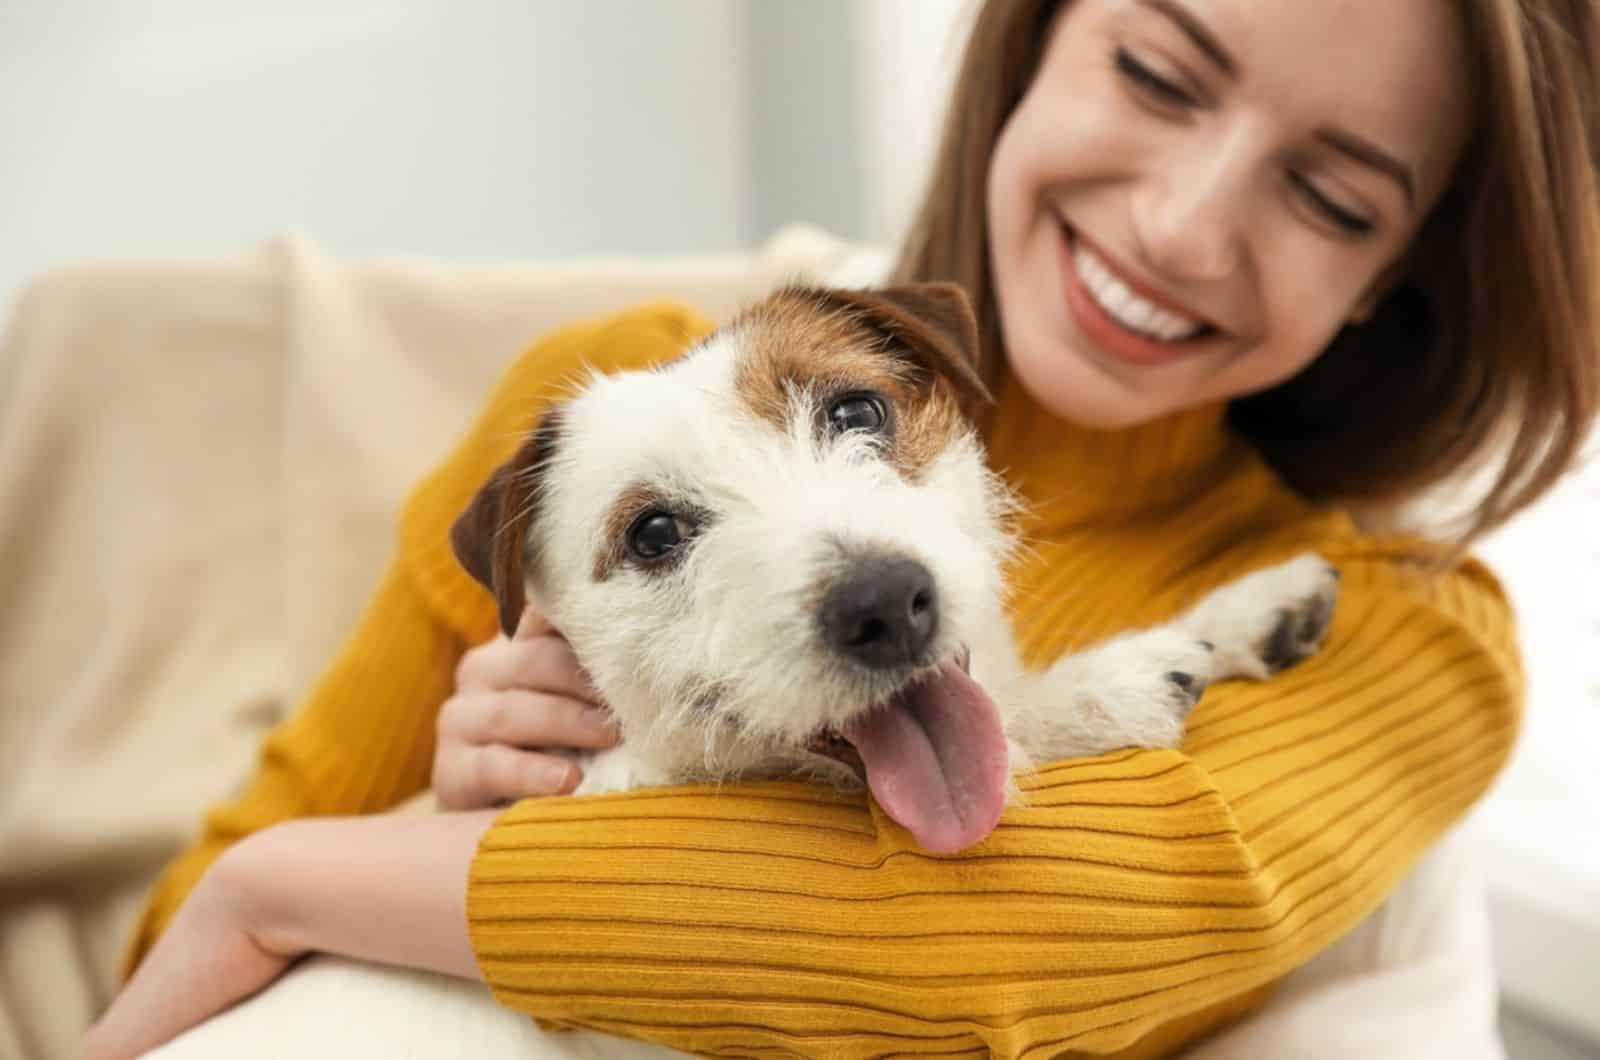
{"x":362,"y":742}
{"x":387,"y":889}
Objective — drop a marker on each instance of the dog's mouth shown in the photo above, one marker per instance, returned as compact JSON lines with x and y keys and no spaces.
{"x":829,"y":744}
{"x":933,"y":754}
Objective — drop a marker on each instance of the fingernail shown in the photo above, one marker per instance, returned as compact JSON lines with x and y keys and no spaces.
{"x":602,"y":721}
{"x":561,"y":776}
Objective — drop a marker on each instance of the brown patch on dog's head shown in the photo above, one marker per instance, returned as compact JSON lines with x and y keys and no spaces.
{"x":490,"y":538}
{"x":934,"y":323}
{"x":916,"y":345}
{"x":614,"y":541}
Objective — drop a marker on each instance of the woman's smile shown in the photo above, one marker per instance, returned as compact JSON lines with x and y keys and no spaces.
{"x":1121,"y":315}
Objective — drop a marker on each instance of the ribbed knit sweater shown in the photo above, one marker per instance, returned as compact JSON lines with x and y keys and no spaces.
{"x":1139,"y":899}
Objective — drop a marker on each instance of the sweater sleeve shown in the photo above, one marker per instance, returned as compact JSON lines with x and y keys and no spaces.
{"x":363,"y":739}
{"x":1135,"y":900}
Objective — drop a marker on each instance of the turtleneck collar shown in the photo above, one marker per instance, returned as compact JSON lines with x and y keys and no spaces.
{"x":1068,"y":473}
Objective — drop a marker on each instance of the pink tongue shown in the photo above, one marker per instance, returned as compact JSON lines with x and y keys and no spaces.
{"x":936,"y":760}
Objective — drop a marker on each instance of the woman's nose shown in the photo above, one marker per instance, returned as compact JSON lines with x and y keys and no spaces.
{"x":1191,"y":216}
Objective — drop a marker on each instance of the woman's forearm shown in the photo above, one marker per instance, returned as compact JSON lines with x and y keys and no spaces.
{"x":389,"y":889}
{"x":386,"y":889}
{"x":328,"y":758}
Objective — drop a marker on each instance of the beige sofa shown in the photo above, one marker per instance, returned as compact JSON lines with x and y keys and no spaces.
{"x":200,"y":467}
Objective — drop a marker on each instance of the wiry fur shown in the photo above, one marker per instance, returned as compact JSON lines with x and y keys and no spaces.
{"x":713,"y":663}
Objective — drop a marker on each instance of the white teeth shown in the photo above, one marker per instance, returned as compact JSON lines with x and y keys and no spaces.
{"x":1125,"y":307}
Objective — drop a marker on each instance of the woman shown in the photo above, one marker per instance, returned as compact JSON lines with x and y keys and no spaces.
{"x":1240,"y":268}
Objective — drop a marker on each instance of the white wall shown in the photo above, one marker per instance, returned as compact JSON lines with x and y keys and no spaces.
{"x":465,"y":129}
{"x":906,"y":53}
{"x":1541,"y":824}
{"x":461,"y":129}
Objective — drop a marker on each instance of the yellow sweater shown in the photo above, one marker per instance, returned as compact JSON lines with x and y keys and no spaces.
{"x":1141,"y":898}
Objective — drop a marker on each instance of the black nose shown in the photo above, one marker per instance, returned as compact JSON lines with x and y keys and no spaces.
{"x":882,"y":612}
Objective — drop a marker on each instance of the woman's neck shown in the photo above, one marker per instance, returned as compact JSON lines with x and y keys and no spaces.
{"x":1063,"y":470}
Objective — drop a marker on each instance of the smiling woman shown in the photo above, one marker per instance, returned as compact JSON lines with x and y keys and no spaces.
{"x":1239,"y":267}
{"x":1233,"y":189}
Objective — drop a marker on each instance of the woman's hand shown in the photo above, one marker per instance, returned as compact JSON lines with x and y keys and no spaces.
{"x":517,"y":699}
{"x":210,"y":958}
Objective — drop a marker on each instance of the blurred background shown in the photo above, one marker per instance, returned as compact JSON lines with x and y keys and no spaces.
{"x":487,"y":130}
{"x":514,"y":130}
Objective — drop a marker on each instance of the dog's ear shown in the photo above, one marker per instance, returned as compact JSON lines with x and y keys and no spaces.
{"x":490,"y":538}
{"x":934,"y":322}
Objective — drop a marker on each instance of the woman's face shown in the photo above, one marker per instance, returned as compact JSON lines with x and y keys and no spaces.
{"x":1194,"y":196}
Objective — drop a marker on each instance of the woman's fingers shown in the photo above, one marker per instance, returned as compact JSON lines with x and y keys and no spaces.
{"x":479,"y":777}
{"x":532,"y":624}
{"x":526,"y":719}
{"x":519,"y":700}
{"x":544,"y":663}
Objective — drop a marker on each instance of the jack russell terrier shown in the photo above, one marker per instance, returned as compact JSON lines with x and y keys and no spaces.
{"x":783,"y":555}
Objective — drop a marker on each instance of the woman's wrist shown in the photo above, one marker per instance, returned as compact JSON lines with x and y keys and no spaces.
{"x":242,"y":880}
{"x":342,"y":885}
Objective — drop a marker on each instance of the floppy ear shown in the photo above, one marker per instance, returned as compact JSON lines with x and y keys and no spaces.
{"x":934,"y":322}
{"x":490,"y":538}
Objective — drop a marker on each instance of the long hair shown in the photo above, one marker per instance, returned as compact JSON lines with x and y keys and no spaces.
{"x":1483,"y":358}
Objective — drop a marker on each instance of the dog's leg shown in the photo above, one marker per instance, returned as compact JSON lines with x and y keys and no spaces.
{"x":1268,"y":620}
{"x":1136,"y":690}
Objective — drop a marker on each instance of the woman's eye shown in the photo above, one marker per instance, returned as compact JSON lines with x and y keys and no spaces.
{"x":1151,"y":83}
{"x":654,"y":534}
{"x":1347,"y":221}
{"x":858,"y":412}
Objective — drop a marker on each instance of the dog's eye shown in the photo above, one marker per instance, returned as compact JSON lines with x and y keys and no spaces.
{"x":858,"y":412}
{"x":654,"y":534}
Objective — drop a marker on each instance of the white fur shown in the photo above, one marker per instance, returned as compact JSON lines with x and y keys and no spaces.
{"x":716,"y":669}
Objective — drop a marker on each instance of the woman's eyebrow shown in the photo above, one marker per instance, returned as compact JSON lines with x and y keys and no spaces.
{"x":1370,"y":154}
{"x":1197,"y":31}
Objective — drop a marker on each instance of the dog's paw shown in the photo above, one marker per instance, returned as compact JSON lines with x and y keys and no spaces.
{"x":1137,"y":690}
{"x":1269,"y":620}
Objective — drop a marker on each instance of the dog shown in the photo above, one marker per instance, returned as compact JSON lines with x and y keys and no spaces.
{"x":782,"y":555}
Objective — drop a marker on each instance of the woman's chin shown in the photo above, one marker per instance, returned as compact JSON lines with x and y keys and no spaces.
{"x":1067,"y":385}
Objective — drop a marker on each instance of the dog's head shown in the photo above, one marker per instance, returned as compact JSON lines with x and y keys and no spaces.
{"x":779,"y":546}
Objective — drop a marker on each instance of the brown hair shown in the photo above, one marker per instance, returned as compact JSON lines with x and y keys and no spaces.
{"x":1484,"y":352}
